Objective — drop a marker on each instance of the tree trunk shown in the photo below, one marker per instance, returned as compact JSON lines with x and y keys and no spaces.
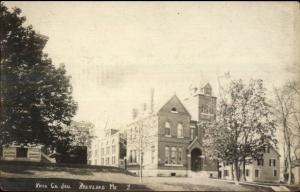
{"x":288,"y":144}
{"x":236,"y":171}
{"x":232,"y":174}
{"x":289,"y":164}
{"x":244,"y":170}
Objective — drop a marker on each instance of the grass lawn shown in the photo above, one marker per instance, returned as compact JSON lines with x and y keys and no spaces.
{"x":21,"y":176}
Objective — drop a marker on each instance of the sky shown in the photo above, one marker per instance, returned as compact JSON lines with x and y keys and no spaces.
{"x":117,"y":51}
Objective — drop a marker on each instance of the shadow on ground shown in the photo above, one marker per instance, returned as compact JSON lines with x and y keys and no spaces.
{"x":28,"y":167}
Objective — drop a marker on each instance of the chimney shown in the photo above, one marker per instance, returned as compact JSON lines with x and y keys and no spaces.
{"x":152,"y":101}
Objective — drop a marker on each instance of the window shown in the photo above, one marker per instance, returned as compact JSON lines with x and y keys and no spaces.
{"x":192,"y":133}
{"x":22,"y":152}
{"x":130,"y":157}
{"x":113,"y":160}
{"x":152,"y":154}
{"x":167,"y":155}
{"x":179,"y":130}
{"x":179,"y":158}
{"x":225,"y":173}
{"x":173,"y":155}
{"x":247,"y":173}
{"x":107,"y":150}
{"x":96,"y":162}
{"x":260,"y":162}
{"x":205,"y":109}
{"x":256,"y":173}
{"x":167,"y":129}
{"x":174,"y":110}
{"x":275,"y":173}
{"x":211,"y":111}
{"x":106,"y":161}
{"x":272,"y":162}
{"x":102,"y":161}
{"x":134,"y":156}
{"x":113,"y":149}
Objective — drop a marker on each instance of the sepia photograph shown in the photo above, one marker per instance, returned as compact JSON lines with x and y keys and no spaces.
{"x":149,"y":96}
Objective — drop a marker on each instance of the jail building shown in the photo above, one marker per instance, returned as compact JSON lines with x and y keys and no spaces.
{"x":168,"y":141}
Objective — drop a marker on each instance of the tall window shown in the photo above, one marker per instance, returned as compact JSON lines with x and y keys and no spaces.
{"x":113,"y":149}
{"x":130,"y":157}
{"x":275,"y":173}
{"x":274,"y":162}
{"x":102,"y":151}
{"x":256,"y":173}
{"x":179,"y":155}
{"x":225,"y":173}
{"x":179,"y":130}
{"x":192,"y":132}
{"x":134,"y":156}
{"x":173,"y":155}
{"x":167,"y":129}
{"x":113,"y":160}
{"x":107,"y":150}
{"x":102,"y":161}
{"x":167,"y":155}
{"x":247,"y":173}
{"x":260,"y":162}
{"x":152,"y":154}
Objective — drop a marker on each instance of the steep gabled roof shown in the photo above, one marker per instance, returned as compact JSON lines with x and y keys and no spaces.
{"x":174,"y":102}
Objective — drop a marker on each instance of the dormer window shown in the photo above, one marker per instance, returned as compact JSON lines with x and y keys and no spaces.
{"x":174,"y":110}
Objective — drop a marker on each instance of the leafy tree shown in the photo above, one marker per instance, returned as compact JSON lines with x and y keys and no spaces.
{"x":36,"y":97}
{"x":244,"y":127}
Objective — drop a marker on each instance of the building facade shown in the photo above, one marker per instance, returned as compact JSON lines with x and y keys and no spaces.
{"x":109,"y":150}
{"x":170,"y":140}
{"x":266,"y":169}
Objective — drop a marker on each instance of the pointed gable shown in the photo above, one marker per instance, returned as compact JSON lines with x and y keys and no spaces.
{"x":174,"y":105}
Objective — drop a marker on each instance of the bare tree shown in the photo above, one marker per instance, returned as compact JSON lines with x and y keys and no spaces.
{"x":142,"y":138}
{"x":288,"y":111}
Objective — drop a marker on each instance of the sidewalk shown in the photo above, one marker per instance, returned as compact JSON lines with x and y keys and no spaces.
{"x":273,"y":186}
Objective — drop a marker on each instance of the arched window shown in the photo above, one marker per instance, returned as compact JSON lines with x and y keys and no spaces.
{"x":167,"y":129}
{"x":174,"y":110}
{"x":179,"y":130}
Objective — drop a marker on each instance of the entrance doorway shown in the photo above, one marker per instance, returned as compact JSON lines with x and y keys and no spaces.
{"x":196,"y":161}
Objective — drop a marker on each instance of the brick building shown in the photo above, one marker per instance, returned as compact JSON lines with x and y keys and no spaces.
{"x":170,"y":139}
{"x":109,"y":150}
{"x":266,"y":169}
